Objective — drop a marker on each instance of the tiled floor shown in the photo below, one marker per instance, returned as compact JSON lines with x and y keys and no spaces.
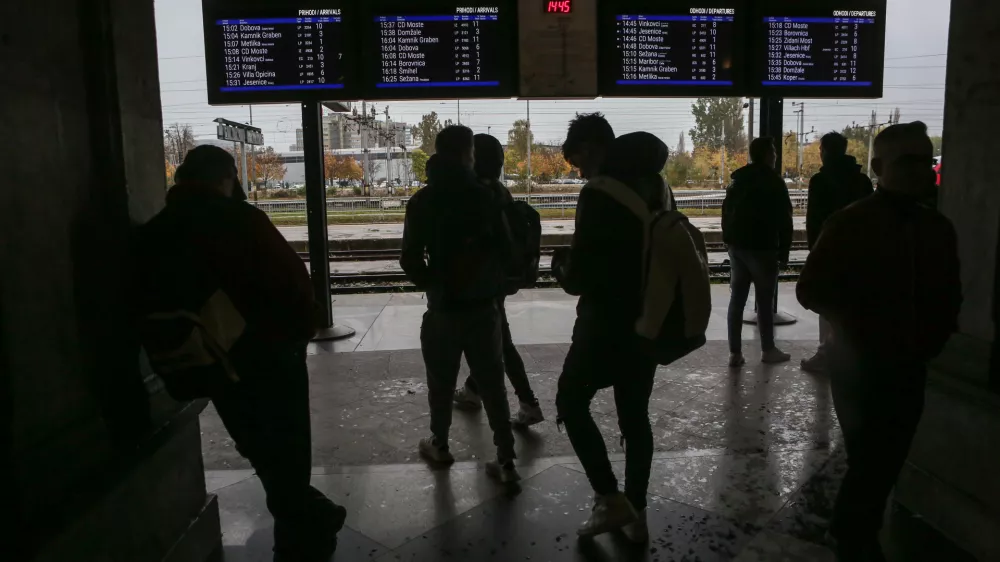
{"x":747,"y":460}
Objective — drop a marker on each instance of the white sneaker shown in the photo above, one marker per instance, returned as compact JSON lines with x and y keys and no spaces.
{"x":528,"y":415}
{"x":637,"y":532}
{"x":815,"y":364}
{"x":610,"y":512}
{"x":466,"y":398}
{"x":434,"y":452}
{"x":774,"y":356}
{"x":505,"y":473}
{"x":736,"y":360}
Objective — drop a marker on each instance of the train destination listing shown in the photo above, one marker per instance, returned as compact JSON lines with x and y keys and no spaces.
{"x":692,"y":49}
{"x":839,"y":50}
{"x":459,"y":49}
{"x":301,"y":52}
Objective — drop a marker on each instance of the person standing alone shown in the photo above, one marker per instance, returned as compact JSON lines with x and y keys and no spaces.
{"x":838,"y":184}
{"x":757,"y":230}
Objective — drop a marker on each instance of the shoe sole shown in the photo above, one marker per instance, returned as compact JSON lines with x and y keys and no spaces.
{"x":606,"y":528}
{"x":534,"y":421}
{"x":433,"y":459}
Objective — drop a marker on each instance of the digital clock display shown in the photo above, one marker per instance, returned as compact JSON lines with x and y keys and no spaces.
{"x":558,"y":6}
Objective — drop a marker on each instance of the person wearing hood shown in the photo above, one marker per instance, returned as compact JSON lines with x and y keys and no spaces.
{"x":757,"y":230}
{"x":838,"y":184}
{"x":604,"y":268}
{"x":885,"y":273}
{"x":489,"y":165}
{"x":209,"y":240}
{"x":457,"y":223}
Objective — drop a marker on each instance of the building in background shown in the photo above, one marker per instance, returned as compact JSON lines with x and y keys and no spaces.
{"x":342,"y":131}
{"x":400,"y":166}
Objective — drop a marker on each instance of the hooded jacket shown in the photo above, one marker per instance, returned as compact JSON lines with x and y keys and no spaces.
{"x":837,"y":185}
{"x":457,"y":222}
{"x":757,"y":211}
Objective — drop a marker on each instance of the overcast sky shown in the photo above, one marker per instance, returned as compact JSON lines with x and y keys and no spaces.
{"x":917,"y":39}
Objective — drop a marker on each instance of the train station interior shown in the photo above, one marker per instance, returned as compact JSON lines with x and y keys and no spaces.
{"x":100,"y":464}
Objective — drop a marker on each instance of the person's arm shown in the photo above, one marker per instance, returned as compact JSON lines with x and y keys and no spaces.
{"x":819,"y":287}
{"x":944,"y":302}
{"x":814,"y":211}
{"x":584,"y":267}
{"x":785,"y":223}
{"x":414,"y":244}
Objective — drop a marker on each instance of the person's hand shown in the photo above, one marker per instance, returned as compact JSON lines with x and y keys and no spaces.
{"x":560,"y":260}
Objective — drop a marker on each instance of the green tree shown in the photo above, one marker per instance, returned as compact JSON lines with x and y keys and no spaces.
{"x":937,"y":142}
{"x":427,"y":130}
{"x":517,"y":146}
{"x":678,"y":169}
{"x":718,"y":118}
{"x":856,"y":132}
{"x":418,"y":159}
{"x":681,"y":146}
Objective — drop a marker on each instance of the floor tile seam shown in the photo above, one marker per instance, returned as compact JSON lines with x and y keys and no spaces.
{"x":370,"y":326}
{"x":253,"y":474}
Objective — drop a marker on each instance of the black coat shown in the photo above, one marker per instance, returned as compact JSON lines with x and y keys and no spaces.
{"x":757,"y":211}
{"x":837,"y":185}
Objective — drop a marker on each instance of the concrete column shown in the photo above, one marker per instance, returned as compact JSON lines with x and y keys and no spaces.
{"x":951,"y":475}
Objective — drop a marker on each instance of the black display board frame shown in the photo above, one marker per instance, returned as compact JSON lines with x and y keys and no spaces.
{"x":370,"y":69}
{"x":608,"y":61}
{"x":757,"y":48}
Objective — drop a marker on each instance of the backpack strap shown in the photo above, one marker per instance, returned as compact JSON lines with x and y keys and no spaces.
{"x":624,"y":196}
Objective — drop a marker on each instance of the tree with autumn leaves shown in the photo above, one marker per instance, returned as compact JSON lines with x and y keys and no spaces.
{"x":341,"y":168}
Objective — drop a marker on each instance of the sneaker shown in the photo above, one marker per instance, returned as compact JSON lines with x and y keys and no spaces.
{"x":503,"y":472}
{"x":435,"y":452}
{"x":610,"y":512}
{"x":814,"y":364}
{"x":774,"y":356}
{"x":736,"y":360}
{"x":638,"y":531}
{"x":466,"y":398}
{"x":529,"y":414}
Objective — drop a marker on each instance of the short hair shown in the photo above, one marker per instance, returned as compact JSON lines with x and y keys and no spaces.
{"x":759,"y":148}
{"x":587,"y":128}
{"x":453,"y":141}
{"x":833,"y":143}
{"x":916,"y":130}
{"x":489,"y":156}
{"x":206,"y":164}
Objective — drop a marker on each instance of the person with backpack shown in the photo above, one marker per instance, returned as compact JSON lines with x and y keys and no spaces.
{"x":838,"y":184}
{"x":757,"y":230}
{"x":607,"y":267}
{"x":885,"y":273}
{"x":224,"y":308}
{"x":525,"y":224}
{"x":458,"y":224}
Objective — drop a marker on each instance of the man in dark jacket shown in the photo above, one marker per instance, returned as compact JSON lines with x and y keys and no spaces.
{"x":207,"y":237}
{"x":838,"y":184}
{"x":458,"y":223}
{"x":757,"y":229}
{"x":605,"y":268}
{"x":885,"y":273}
{"x":489,"y":165}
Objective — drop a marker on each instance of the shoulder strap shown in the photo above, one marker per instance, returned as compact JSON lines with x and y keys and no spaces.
{"x":623,"y":195}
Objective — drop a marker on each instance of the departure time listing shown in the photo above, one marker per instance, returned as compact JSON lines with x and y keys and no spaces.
{"x":439,"y":50}
{"x":838,"y":50}
{"x":303,"y":52}
{"x":693,"y":49}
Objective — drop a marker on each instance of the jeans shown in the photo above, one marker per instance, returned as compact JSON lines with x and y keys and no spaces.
{"x":267,"y":416}
{"x":444,"y":336}
{"x":759,"y":267}
{"x":594,"y":365}
{"x":879,"y":405}
{"x":512,"y":363}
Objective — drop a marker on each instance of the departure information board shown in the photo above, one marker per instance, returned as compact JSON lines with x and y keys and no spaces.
{"x":836,"y":51}
{"x":276,"y":54}
{"x":427,"y":51}
{"x":671,"y":45}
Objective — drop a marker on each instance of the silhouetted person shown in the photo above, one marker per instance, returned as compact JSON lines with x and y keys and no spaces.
{"x":885,"y":273}
{"x":458,"y":222}
{"x":587,"y":142}
{"x":207,"y":240}
{"x":605,"y":268}
{"x":838,"y":184}
{"x":757,"y":230}
{"x":488,"y":167}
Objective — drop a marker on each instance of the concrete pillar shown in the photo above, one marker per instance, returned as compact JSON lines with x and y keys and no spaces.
{"x":951,"y":475}
{"x":97,"y":463}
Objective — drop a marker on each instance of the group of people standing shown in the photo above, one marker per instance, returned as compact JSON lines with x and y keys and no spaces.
{"x":882,"y":274}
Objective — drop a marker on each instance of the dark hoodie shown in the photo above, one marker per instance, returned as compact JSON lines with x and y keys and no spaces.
{"x":757,"y":211}
{"x":837,"y":185}
{"x":457,"y":221}
{"x":604,"y":266}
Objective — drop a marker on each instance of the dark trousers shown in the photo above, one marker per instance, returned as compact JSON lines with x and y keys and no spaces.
{"x":759,"y":267}
{"x":879,"y":405}
{"x":267,"y":415}
{"x":594,"y":365}
{"x":444,"y":336}
{"x":512,"y":363}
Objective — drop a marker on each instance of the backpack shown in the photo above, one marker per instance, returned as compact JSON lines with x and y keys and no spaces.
{"x":525,"y":230}
{"x":676,"y":294}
